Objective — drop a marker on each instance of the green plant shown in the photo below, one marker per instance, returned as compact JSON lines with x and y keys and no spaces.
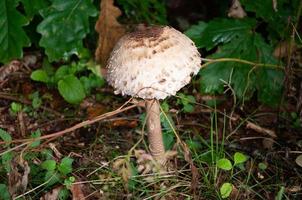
{"x":238,"y":41}
{"x":152,"y":11}
{"x":50,"y":172}
{"x":71,"y":81}
{"x":15,"y":107}
{"x":226,"y":164}
{"x":62,"y":29}
{"x":187,"y":102}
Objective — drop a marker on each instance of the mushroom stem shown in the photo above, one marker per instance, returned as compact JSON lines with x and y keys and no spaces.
{"x":155,"y":137}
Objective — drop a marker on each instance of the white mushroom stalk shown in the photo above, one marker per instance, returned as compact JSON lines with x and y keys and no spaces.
{"x":153,"y":63}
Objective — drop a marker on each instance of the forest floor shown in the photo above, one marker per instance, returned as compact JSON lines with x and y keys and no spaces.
{"x":104,"y":168}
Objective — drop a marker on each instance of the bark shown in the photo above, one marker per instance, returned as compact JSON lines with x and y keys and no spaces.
{"x":155,"y":137}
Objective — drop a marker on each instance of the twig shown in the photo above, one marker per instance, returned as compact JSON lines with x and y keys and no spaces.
{"x":77,"y":126}
{"x":210,"y":61}
{"x":259,"y":129}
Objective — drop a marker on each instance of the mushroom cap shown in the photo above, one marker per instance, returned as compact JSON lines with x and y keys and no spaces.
{"x":152,"y":63}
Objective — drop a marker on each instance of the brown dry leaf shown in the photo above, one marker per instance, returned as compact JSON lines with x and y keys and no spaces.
{"x":124,"y":123}
{"x":283,"y":49}
{"x":9,"y":68}
{"x":77,"y":192}
{"x":236,"y":10}
{"x":18,"y":177}
{"x":194,"y":171}
{"x":109,"y":29}
{"x":299,"y":160}
{"x":96,"y":110}
{"x":52,"y":195}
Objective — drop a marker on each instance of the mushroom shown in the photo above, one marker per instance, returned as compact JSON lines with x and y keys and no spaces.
{"x":153,"y":63}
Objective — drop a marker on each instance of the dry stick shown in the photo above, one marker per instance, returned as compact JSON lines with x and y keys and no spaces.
{"x":259,"y":129}
{"x":77,"y":126}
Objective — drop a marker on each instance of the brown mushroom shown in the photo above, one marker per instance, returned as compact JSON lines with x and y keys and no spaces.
{"x":153,"y":63}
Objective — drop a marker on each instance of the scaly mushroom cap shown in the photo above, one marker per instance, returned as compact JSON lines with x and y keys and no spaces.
{"x":152,"y":63}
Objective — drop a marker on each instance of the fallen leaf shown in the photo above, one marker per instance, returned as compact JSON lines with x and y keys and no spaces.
{"x":124,"y":123}
{"x":109,"y":29}
{"x":299,"y":160}
{"x":95,"y":110}
{"x":236,"y":10}
{"x":53,"y":194}
{"x":18,"y":177}
{"x":76,"y":191}
{"x":283,"y":49}
{"x":9,"y":68}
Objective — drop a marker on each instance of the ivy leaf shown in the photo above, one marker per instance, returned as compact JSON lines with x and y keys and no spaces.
{"x":223,"y":30}
{"x":71,"y":89}
{"x":64,"y":26}
{"x":12,"y":36}
{"x":243,"y":78}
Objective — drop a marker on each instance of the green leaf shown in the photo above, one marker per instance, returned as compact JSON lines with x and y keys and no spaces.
{"x":63,"y":194}
{"x":188,"y":108}
{"x":277,"y":21}
{"x":32,"y":7}
{"x":6,"y":159}
{"x":65,"y":167}
{"x":69,"y":181}
{"x":64,"y":26}
{"x":280,"y":193}
{"x":62,"y":72}
{"x":12,"y":36}
{"x":36,"y":100}
{"x":224,"y":30}
{"x":193,"y":144}
{"x":52,"y":177}
{"x":4,"y":193}
{"x":35,"y":134}
{"x":90,"y":82}
{"x":169,"y":140}
{"x":49,"y":165}
{"x":133,"y":181}
{"x":195,"y":32}
{"x":224,"y":164}
{"x":239,"y":158}
{"x":40,"y":75}
{"x":5,"y":136}
{"x":226,"y":190}
{"x":16,"y":107}
{"x":71,"y":89}
{"x":262,"y":166}
{"x":243,"y":78}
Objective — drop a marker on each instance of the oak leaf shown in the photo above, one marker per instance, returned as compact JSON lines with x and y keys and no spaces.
{"x":109,"y":29}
